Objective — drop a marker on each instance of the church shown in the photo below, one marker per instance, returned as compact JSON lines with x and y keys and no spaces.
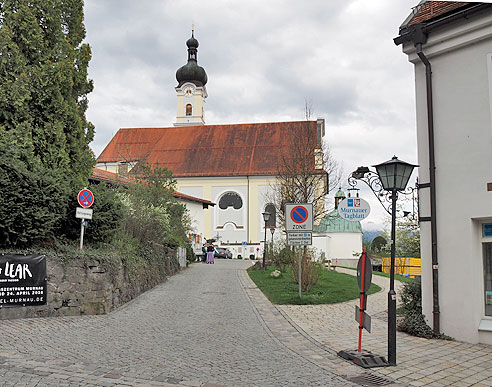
{"x":232,"y":165}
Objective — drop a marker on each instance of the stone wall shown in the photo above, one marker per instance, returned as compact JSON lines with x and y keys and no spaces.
{"x":87,"y":287}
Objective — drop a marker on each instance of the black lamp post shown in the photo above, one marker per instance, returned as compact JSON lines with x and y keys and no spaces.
{"x":266,"y":218}
{"x":392,"y":176}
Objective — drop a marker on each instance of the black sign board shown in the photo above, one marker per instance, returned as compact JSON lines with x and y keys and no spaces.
{"x":22,"y":280}
{"x":367,"y":272}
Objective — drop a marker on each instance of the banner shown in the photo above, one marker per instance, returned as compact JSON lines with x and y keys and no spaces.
{"x":22,"y":280}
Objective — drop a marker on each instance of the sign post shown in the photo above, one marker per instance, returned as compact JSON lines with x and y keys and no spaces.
{"x":85,"y":199}
{"x":299,"y":227}
{"x":365,"y":359}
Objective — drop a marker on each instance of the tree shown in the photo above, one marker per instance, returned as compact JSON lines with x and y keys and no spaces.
{"x":43,"y":98}
{"x":407,"y":231}
{"x":306,"y":172}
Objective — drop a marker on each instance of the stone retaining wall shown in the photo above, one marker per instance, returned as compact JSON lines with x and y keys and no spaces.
{"x":80,"y":288}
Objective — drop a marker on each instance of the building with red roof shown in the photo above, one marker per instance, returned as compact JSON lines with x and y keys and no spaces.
{"x":232,"y":165}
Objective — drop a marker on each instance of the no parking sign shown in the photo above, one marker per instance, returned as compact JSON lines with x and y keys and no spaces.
{"x":85,"y":198}
{"x":299,"y":217}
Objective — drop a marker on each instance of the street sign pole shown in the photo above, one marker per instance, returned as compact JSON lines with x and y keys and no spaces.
{"x":86,"y":199}
{"x":82,"y":234}
{"x":300,"y":273}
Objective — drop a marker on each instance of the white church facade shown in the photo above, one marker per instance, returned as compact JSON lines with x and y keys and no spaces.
{"x":233,"y":166}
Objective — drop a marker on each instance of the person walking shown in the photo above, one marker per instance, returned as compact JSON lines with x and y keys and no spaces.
{"x":210,"y":253}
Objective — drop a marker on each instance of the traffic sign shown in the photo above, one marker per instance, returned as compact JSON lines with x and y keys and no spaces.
{"x":366,"y":319}
{"x":85,"y":198}
{"x":83,"y":213}
{"x":354,"y":209}
{"x":367,"y":266}
{"x":299,"y":238}
{"x":299,"y":217}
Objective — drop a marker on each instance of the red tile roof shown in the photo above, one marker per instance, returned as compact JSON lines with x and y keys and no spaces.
{"x":433,"y":9}
{"x":210,"y":150}
{"x":110,"y":177}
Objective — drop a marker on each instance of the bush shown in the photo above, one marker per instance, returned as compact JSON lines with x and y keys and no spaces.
{"x":413,"y":321}
{"x":33,"y":198}
{"x":281,"y":256}
{"x":411,"y":296}
{"x":309,"y":269}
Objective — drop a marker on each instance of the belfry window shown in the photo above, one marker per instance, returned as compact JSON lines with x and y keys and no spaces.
{"x":188,"y":109}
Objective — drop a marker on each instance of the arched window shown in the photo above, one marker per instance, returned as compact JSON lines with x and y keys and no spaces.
{"x":230,"y":199}
{"x":188,"y":109}
{"x":272,"y":222}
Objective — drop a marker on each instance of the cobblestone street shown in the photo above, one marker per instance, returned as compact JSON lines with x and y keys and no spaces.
{"x":199,"y":328}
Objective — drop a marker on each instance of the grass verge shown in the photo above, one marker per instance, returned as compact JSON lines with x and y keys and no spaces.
{"x":332,"y":287}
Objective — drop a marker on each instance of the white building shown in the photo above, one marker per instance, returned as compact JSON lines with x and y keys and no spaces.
{"x":340,"y":240}
{"x":233,"y":165}
{"x":450,"y":45}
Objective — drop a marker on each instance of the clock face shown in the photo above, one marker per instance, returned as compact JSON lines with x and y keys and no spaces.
{"x":188,"y":91}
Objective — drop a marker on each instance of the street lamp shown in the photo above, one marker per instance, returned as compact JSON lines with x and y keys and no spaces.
{"x":266,"y":218}
{"x":392,"y":176}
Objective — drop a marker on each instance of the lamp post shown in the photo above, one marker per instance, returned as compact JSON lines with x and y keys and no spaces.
{"x":392,"y":176}
{"x":266,"y":217}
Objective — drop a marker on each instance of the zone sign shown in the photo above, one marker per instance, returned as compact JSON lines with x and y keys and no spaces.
{"x":299,"y":217}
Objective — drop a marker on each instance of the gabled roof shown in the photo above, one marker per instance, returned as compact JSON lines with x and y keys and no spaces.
{"x":210,"y":150}
{"x":100,"y":175}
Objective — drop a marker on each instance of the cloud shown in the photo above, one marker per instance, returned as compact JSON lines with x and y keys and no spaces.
{"x":264,"y":60}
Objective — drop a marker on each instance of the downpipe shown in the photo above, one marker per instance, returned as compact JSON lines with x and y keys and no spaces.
{"x":432,"y":173}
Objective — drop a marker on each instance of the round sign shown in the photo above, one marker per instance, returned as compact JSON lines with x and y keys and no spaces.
{"x":299,"y":214}
{"x":367,"y":272}
{"x":353,"y":209}
{"x":85,"y":198}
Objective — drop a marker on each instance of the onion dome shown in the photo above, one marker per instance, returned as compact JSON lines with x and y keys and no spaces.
{"x":340,"y":194}
{"x":191,"y":72}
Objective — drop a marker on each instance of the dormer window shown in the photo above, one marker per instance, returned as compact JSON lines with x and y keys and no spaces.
{"x":189,"y":109}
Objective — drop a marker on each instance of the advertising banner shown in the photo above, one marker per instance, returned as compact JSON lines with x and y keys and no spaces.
{"x":22,"y":280}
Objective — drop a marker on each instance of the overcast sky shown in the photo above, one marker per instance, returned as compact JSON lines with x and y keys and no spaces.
{"x":264,"y":60}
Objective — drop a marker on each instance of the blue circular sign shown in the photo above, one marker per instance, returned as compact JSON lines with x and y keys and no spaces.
{"x":299,"y":214}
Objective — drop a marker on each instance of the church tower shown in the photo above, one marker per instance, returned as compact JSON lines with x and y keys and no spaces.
{"x":191,"y":91}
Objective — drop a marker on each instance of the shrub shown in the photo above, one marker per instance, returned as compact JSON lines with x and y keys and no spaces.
{"x":309,"y":269}
{"x":413,"y":321}
{"x":33,"y":198}
{"x":281,"y":256}
{"x":411,"y":296}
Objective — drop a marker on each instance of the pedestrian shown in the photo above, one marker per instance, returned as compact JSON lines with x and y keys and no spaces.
{"x":210,"y":253}
{"x":204,"y":251}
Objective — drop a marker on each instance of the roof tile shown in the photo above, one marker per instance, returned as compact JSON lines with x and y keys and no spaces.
{"x":210,"y":150}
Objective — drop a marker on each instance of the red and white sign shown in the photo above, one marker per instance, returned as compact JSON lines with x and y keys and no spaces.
{"x":299,"y":217}
{"x":85,"y":198}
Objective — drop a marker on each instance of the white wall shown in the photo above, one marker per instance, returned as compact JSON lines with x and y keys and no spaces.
{"x":340,"y":247}
{"x":463,"y":150}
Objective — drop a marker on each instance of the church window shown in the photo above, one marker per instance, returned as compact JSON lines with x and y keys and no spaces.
{"x":188,"y":109}
{"x":230,"y":199}
{"x":272,"y":221}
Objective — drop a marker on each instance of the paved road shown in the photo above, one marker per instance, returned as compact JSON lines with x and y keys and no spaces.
{"x":200,"y":328}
